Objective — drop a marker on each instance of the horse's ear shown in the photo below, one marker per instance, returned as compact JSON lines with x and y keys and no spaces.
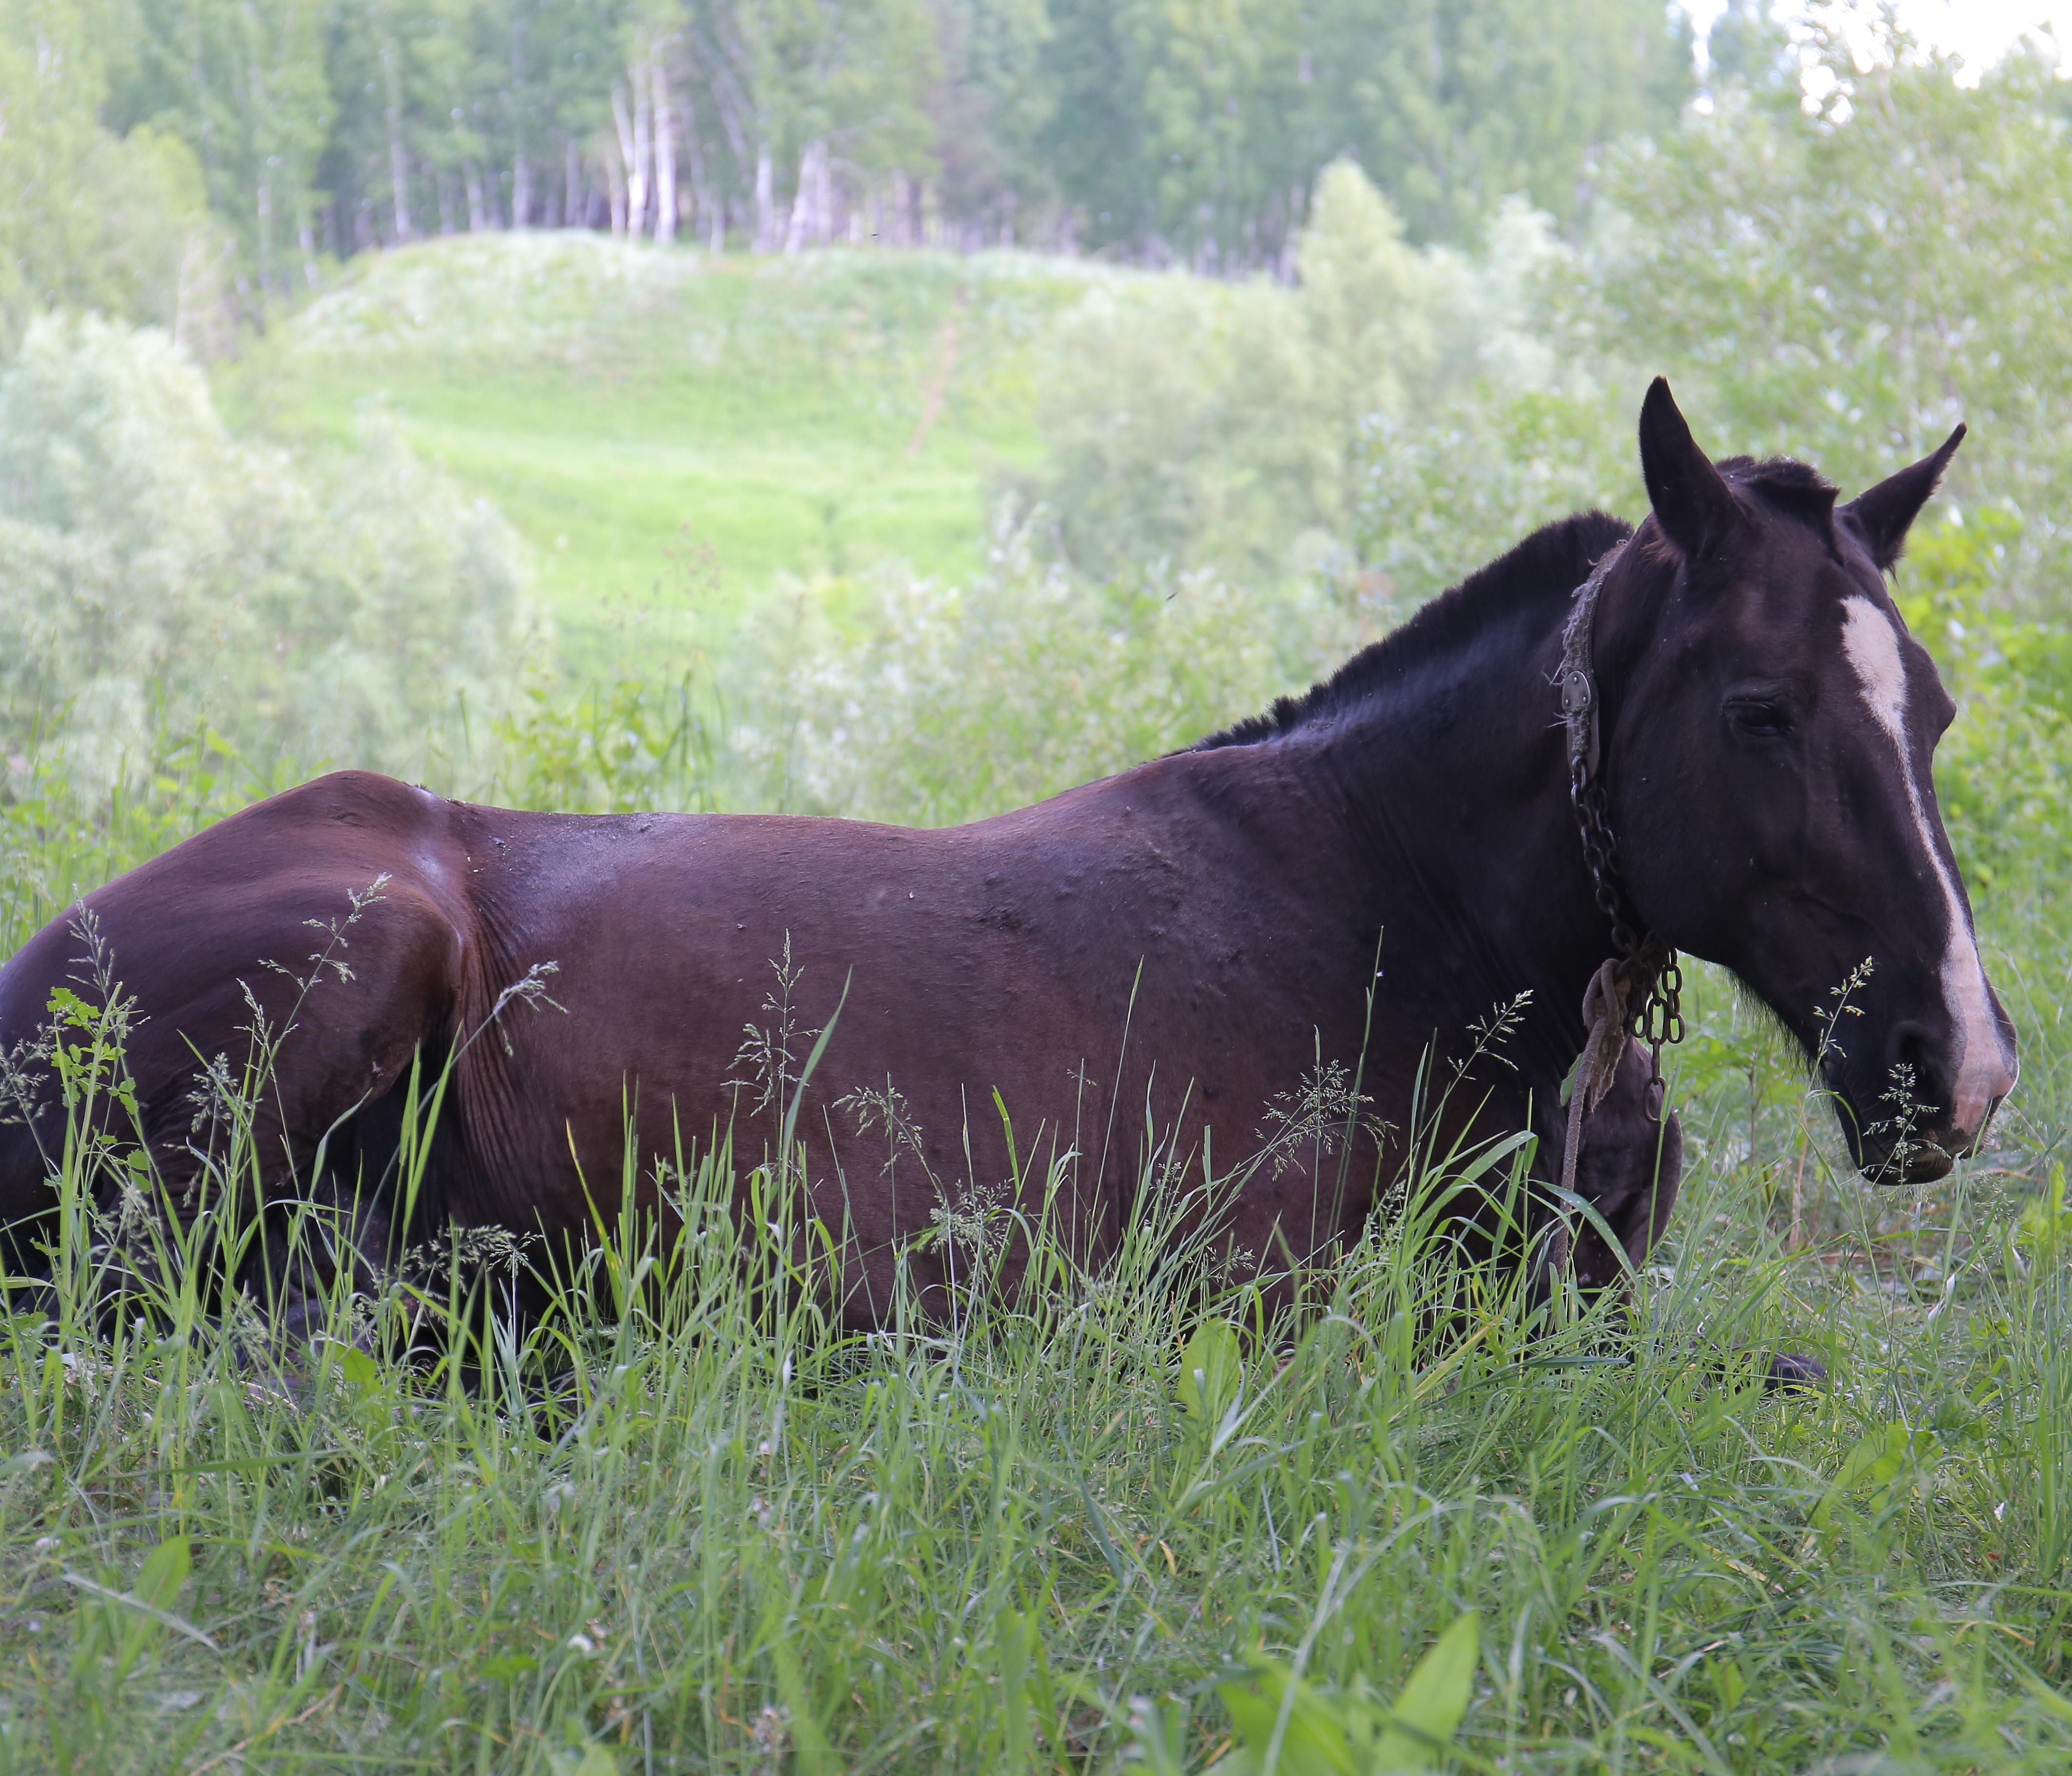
{"x":1885,"y":512}
{"x":1692,"y":503}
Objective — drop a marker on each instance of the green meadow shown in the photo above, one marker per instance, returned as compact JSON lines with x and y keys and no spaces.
{"x":677,"y":430}
{"x":555,"y":520}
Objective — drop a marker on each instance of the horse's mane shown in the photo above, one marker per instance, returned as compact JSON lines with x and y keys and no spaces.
{"x":1795,"y":487}
{"x":1550,"y":563}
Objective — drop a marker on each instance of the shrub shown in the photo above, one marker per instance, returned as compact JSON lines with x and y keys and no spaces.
{"x":913,"y":701}
{"x":155,"y":571}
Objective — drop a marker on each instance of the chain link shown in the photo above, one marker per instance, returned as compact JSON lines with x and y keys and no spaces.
{"x":1654,"y":970}
{"x":1652,"y":975}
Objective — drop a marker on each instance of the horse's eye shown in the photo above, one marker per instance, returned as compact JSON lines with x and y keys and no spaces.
{"x":1759,"y":716}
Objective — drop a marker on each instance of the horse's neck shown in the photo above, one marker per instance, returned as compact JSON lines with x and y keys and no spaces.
{"x":1456,"y":779}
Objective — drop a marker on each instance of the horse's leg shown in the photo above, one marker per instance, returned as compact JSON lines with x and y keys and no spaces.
{"x":255,"y":1088}
{"x":1628,"y":1170}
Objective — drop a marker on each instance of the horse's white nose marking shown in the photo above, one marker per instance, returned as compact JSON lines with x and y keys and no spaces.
{"x":1985,"y":1069}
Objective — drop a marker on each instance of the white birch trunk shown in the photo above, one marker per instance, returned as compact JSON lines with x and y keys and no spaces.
{"x":810,"y":204}
{"x":399,"y":162}
{"x":627,"y":187}
{"x":521,"y":189}
{"x":639,"y":183}
{"x":665,"y":156}
{"x":615,"y":172}
{"x":794,"y":230}
{"x":766,"y":202}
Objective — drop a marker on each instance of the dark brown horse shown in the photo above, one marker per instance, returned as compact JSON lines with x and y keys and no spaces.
{"x":1185,"y":953}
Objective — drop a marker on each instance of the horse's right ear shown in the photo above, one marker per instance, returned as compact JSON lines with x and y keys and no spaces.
{"x":1886,"y":511}
{"x":1692,"y":503}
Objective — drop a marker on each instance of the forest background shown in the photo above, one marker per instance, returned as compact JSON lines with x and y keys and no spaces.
{"x":907,"y":409}
{"x":322,"y":440}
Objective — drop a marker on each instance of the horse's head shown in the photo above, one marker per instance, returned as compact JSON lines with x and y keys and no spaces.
{"x":1771,"y":727}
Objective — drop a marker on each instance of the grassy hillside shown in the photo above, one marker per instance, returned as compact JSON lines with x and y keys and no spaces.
{"x":672,"y":428}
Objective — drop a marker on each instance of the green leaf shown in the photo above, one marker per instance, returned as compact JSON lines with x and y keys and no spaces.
{"x":1314,"y":1743}
{"x":1212,"y":1372}
{"x":360,"y":1370}
{"x":1429,"y":1711}
{"x":164,"y":1574}
{"x":1014,"y":1638}
{"x":1878,"y":1459}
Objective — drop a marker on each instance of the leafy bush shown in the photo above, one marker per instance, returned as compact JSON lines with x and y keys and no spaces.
{"x":155,"y":571}
{"x":1195,"y":422}
{"x":909,"y":700}
{"x":88,"y":218}
{"x":1846,"y":287}
{"x":1446,"y":491}
{"x":2004,"y":773}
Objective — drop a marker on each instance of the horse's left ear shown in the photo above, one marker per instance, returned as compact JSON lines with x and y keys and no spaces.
{"x":1885,"y":512}
{"x":1692,"y":500}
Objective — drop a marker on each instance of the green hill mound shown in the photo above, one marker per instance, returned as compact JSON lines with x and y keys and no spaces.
{"x":670,"y":429}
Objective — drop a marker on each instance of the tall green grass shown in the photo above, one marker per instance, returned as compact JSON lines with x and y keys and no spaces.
{"x":1137,"y":1514}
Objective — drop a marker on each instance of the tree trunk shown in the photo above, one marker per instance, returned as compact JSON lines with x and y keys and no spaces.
{"x":399,"y":161}
{"x":632,"y":131}
{"x":265,"y":238}
{"x":810,"y":204}
{"x":640,"y":179}
{"x":665,"y":155}
{"x":572,"y":207}
{"x":521,"y":167}
{"x":471,"y":178}
{"x":766,"y":202}
{"x":614,"y":171}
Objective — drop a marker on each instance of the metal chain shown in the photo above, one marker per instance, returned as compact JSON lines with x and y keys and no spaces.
{"x":1654,"y":971}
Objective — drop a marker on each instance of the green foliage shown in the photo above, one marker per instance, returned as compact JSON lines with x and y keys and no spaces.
{"x":88,"y":218}
{"x":1286,"y":1723}
{"x":2004,"y":773}
{"x":1847,"y":286}
{"x":1232,"y":424}
{"x":1165,"y":130}
{"x":243,"y":85}
{"x":1201,"y":125}
{"x":1446,"y":491}
{"x":158,"y":572}
{"x":615,"y":749}
{"x":1212,"y":1384}
{"x":906,"y":699}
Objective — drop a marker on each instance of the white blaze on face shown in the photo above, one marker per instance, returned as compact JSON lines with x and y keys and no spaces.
{"x":1983,"y":1070}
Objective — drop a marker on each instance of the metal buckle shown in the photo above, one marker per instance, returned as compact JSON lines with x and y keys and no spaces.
{"x":1577,"y":692}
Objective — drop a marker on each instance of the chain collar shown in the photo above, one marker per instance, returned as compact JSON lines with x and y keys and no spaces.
{"x":1650,"y":969}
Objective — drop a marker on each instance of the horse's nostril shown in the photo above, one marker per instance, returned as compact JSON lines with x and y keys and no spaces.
{"x":1915,"y":1070}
